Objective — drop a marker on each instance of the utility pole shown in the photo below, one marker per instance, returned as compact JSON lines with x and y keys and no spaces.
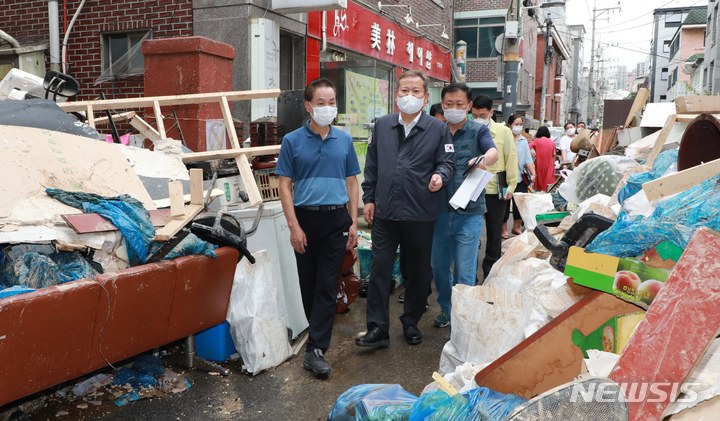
{"x":511,"y":59}
{"x":546,"y":60}
{"x":591,"y":88}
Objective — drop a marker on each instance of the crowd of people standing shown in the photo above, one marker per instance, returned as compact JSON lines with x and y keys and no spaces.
{"x":415,"y":163}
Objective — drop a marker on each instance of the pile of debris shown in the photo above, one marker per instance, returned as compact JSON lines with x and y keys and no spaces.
{"x":612,"y":312}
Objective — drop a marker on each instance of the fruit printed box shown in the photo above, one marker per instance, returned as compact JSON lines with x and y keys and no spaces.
{"x":627,"y":278}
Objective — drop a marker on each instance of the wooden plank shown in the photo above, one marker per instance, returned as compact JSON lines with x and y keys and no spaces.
{"x":168,"y":231}
{"x":84,"y":223}
{"x":229,"y":125}
{"x":159,"y":120}
{"x":660,"y":142}
{"x":196,"y":186}
{"x":697,"y":104}
{"x":548,"y":358}
{"x":116,"y":117}
{"x":177,"y":205}
{"x":144,"y":128}
{"x":165,"y":203}
{"x":678,"y":328}
{"x":251,"y":188}
{"x":90,"y":115}
{"x":231,"y":153}
{"x":637,"y":106}
{"x":680,"y":181}
{"x":147,"y":102}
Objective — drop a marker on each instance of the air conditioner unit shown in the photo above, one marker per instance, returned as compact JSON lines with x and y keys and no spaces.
{"x":512,"y":29}
{"x":302,"y":6}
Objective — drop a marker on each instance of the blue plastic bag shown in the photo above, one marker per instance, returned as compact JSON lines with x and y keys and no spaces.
{"x":480,"y":404}
{"x":389,"y":403}
{"x":373,"y":402}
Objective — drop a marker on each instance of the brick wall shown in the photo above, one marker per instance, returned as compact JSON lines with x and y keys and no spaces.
{"x":471,"y":5}
{"x":27,"y":21}
{"x":482,"y":70}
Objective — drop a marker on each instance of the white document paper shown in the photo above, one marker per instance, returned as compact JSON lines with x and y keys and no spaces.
{"x":471,"y":188}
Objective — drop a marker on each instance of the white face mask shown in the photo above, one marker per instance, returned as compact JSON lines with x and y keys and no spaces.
{"x":483,"y":121}
{"x":410,"y":104}
{"x":570,"y":131}
{"x":517,"y":129}
{"x":455,"y":116}
{"x":324,"y":116}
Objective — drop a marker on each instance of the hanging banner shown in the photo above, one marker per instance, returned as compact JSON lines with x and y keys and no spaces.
{"x":363,"y":31}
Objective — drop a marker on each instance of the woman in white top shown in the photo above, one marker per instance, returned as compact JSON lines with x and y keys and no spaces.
{"x":526,"y":168}
{"x":568,"y":156}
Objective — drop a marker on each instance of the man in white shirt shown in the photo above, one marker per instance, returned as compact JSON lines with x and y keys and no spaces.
{"x":568,"y":156}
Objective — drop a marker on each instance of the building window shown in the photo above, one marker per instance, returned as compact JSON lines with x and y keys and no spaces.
{"x":664,"y":73}
{"x":663,"y":98}
{"x":714,"y":26}
{"x":480,"y":35}
{"x":121,"y":53}
{"x":675,"y":46}
{"x":673,"y":19}
{"x":666,"y":46}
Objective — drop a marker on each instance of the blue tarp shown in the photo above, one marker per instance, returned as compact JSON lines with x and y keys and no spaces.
{"x":675,"y":219}
{"x":133,"y":221}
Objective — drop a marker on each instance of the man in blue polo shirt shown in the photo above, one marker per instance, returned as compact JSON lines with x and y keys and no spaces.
{"x":317,"y":167}
{"x":457,"y":231}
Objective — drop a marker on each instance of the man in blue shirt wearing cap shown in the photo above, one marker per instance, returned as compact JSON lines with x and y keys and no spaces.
{"x":317,"y":167}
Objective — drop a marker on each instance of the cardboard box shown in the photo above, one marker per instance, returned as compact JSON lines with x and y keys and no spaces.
{"x":631,"y":279}
{"x":611,"y":336}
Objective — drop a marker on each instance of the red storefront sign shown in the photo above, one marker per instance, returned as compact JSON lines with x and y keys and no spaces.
{"x":363,"y":31}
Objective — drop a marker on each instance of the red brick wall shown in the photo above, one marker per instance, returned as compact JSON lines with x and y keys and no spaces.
{"x":482,"y":70}
{"x":27,"y":21}
{"x":470,"y":5}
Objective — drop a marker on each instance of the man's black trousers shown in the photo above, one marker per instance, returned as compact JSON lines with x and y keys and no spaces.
{"x":319,"y":269}
{"x":415,"y":241}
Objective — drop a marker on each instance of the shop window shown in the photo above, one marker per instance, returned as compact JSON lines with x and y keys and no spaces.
{"x":122,"y":55}
{"x":292,"y":53}
{"x":480,"y":35}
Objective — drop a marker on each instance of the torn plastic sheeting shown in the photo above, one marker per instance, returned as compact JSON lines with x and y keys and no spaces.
{"x":133,"y":221}
{"x":530,"y":205}
{"x":675,"y":219}
{"x":35,"y":270}
{"x":664,"y":162}
{"x":15,"y":290}
{"x":125,"y":212}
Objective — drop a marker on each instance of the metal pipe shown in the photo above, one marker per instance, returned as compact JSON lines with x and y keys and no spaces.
{"x":7,"y":37}
{"x":324,"y":31}
{"x":546,"y":59}
{"x":67,"y":36}
{"x":54,"y":27}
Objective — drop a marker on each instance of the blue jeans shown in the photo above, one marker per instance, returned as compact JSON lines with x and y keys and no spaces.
{"x":455,"y":244}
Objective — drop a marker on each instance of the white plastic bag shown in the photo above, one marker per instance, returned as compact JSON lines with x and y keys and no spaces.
{"x":257,"y":316}
{"x":486,"y":323}
{"x":530,"y":205}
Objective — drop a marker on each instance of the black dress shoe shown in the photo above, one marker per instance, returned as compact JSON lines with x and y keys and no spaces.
{"x":412,"y":335}
{"x":315,"y":361}
{"x":375,"y":338}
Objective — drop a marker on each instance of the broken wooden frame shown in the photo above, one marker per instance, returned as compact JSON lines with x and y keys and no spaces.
{"x":222,"y":98}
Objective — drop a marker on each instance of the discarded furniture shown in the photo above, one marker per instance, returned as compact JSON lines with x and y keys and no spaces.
{"x":59,"y":333}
